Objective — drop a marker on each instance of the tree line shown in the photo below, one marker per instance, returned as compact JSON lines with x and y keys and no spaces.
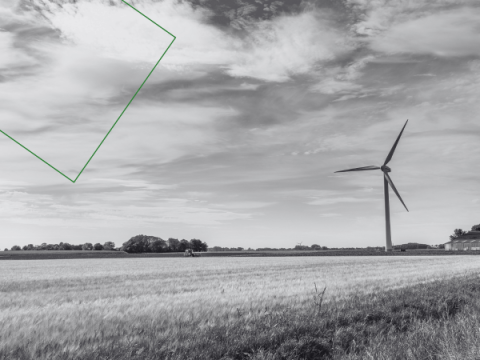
{"x":297,"y":247}
{"x":109,"y":245}
{"x":318,"y":247}
{"x":136,"y":244}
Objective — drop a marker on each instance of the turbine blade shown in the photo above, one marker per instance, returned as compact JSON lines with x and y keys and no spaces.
{"x":370,"y":167}
{"x":394,"y":189}
{"x":390,"y":154}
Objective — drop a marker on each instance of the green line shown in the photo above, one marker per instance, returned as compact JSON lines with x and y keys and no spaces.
{"x":126,"y":107}
{"x":115,"y":123}
{"x":149,"y":19}
{"x":31,"y":152}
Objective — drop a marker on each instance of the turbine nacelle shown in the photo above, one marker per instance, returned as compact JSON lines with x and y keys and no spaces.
{"x":385,"y":169}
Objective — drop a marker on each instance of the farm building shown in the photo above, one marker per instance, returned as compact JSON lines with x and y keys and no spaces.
{"x":469,"y":241}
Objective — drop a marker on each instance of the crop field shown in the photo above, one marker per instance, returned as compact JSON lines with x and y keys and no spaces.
{"x":92,"y":254}
{"x":230,"y":307}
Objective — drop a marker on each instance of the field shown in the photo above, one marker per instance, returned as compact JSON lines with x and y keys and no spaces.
{"x":92,"y":254}
{"x":230,"y":307}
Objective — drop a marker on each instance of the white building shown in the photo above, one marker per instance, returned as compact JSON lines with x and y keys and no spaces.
{"x":469,"y":241}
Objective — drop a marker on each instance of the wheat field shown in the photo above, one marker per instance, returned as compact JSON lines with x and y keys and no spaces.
{"x":87,"y":308}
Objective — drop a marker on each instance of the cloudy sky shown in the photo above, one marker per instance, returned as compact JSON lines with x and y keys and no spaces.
{"x":235,"y":136}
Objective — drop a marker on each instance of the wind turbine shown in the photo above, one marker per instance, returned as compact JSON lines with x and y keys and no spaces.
{"x":386,"y":181}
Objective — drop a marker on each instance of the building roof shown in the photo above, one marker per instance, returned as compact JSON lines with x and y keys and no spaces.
{"x":471,"y":235}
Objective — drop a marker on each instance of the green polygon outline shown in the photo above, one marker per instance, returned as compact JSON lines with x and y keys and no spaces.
{"x":115,"y":123}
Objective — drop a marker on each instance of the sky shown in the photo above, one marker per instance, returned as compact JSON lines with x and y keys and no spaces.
{"x":235,"y":137}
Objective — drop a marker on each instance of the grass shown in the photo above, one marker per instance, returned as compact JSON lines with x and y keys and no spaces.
{"x":240,"y":308}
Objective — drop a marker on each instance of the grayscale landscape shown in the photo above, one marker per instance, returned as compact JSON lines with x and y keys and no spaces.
{"x":239,"y":179}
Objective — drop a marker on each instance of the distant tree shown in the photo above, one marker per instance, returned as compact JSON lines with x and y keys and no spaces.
{"x":457,"y":233}
{"x":87,"y":246}
{"x":98,"y":246}
{"x":64,"y":246}
{"x":316,"y":247}
{"x":195,"y":244}
{"x":198,"y":245}
{"x":184,"y":245}
{"x":173,"y":244}
{"x":25,"y":247}
{"x":158,"y":245}
{"x":5,"y":249}
{"x":144,"y":243}
{"x":134,"y":245}
{"x":16,"y":248}
{"x":77,"y":247}
{"x":109,"y":245}
{"x":30,"y":247}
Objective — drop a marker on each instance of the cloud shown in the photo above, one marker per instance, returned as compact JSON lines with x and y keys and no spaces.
{"x":8,"y":11}
{"x":288,"y":46}
{"x":202,"y":140}
{"x":137,"y":184}
{"x":329,"y":215}
{"x":116,"y":32}
{"x":92,"y":209}
{"x":12,"y":57}
{"x":343,"y":79}
{"x":338,"y":200}
{"x":274,"y":49}
{"x":84,"y":82}
{"x":240,"y":15}
{"x":110,"y":29}
{"x":448,"y":33}
{"x":243,"y":205}
{"x":334,"y":86}
{"x":378,"y":15}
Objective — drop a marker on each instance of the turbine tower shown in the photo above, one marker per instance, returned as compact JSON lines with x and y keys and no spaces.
{"x":386,"y":181}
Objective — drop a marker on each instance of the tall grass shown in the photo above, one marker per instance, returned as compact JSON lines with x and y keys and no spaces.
{"x":214,"y":308}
